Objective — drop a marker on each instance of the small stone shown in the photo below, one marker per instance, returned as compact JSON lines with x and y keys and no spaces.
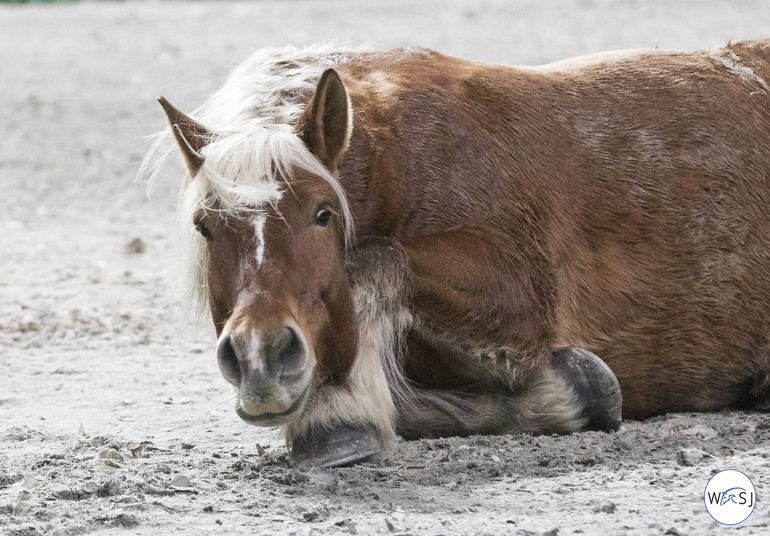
{"x":690,"y":457}
{"x":706,"y":432}
{"x":110,"y":454}
{"x":90,"y":487}
{"x":110,"y":488}
{"x":260,"y":449}
{"x":390,"y":525}
{"x":112,"y":464}
{"x":125,"y":520}
{"x":351,"y":527}
{"x":21,"y":508}
{"x":136,"y":246}
{"x":607,"y":508}
{"x":129,"y":500}
{"x":495,"y":458}
{"x":181,"y":483}
{"x":30,"y":482}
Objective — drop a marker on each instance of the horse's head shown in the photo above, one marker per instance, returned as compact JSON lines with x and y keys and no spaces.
{"x":272,"y":236}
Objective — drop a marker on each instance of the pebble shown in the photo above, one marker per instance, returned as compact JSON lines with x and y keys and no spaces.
{"x":21,"y":507}
{"x":30,"y":482}
{"x":129,"y":501}
{"x":110,"y":488}
{"x":136,"y":246}
{"x":90,"y":487}
{"x":110,"y":454}
{"x":181,"y":483}
{"x":690,"y":457}
{"x":609,"y":508}
{"x":348,"y":524}
{"x":706,"y":432}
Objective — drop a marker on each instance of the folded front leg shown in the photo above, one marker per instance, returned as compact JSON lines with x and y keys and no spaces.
{"x":351,"y":420}
{"x":545,"y":406}
{"x":487,"y":296}
{"x":576,"y":392}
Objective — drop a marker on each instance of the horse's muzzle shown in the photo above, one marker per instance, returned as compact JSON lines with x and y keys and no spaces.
{"x":271,"y":371}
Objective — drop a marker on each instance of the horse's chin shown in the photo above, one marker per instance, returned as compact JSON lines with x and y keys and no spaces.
{"x":268,"y":419}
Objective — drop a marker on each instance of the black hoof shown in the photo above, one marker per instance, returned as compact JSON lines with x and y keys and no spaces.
{"x":595,"y":386}
{"x":336,"y":446}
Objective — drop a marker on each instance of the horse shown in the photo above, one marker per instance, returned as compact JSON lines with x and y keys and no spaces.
{"x":406,"y":243}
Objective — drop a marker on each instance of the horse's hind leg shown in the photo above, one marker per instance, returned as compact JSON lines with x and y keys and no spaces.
{"x":577,"y":392}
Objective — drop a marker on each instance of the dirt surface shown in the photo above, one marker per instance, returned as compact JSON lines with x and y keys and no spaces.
{"x":113,"y":416}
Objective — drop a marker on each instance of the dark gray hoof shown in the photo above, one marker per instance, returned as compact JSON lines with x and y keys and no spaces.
{"x":336,"y":446}
{"x":595,"y":386}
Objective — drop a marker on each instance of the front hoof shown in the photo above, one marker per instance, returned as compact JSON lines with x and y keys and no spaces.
{"x":594,"y":385}
{"x":336,"y":446}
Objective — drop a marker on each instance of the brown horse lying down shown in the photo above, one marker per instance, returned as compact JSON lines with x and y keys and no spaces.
{"x":396,"y":242}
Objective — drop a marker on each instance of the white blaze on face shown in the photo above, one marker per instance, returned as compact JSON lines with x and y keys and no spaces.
{"x":259,"y":230}
{"x":254,"y":356}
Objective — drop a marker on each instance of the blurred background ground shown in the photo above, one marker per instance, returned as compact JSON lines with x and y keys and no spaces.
{"x":113,"y":415}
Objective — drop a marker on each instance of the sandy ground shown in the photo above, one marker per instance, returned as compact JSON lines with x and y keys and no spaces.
{"x":113,"y":416}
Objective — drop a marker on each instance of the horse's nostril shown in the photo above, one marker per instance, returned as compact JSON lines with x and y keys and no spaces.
{"x":287,"y":357}
{"x":228,"y":361}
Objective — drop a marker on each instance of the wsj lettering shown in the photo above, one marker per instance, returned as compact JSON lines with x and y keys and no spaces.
{"x":737,"y":496}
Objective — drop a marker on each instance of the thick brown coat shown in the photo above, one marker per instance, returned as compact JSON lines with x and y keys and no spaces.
{"x":617,"y":203}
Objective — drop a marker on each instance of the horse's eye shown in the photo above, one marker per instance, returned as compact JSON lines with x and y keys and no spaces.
{"x":323,"y":216}
{"x":204,"y":231}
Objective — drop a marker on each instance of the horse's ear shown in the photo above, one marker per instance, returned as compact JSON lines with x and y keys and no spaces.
{"x":190,"y":135}
{"x":326,"y":124}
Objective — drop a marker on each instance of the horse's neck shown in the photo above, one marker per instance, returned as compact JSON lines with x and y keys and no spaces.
{"x":422,"y":147}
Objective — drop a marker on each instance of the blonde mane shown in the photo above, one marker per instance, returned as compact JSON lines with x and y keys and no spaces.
{"x":249,"y":161}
